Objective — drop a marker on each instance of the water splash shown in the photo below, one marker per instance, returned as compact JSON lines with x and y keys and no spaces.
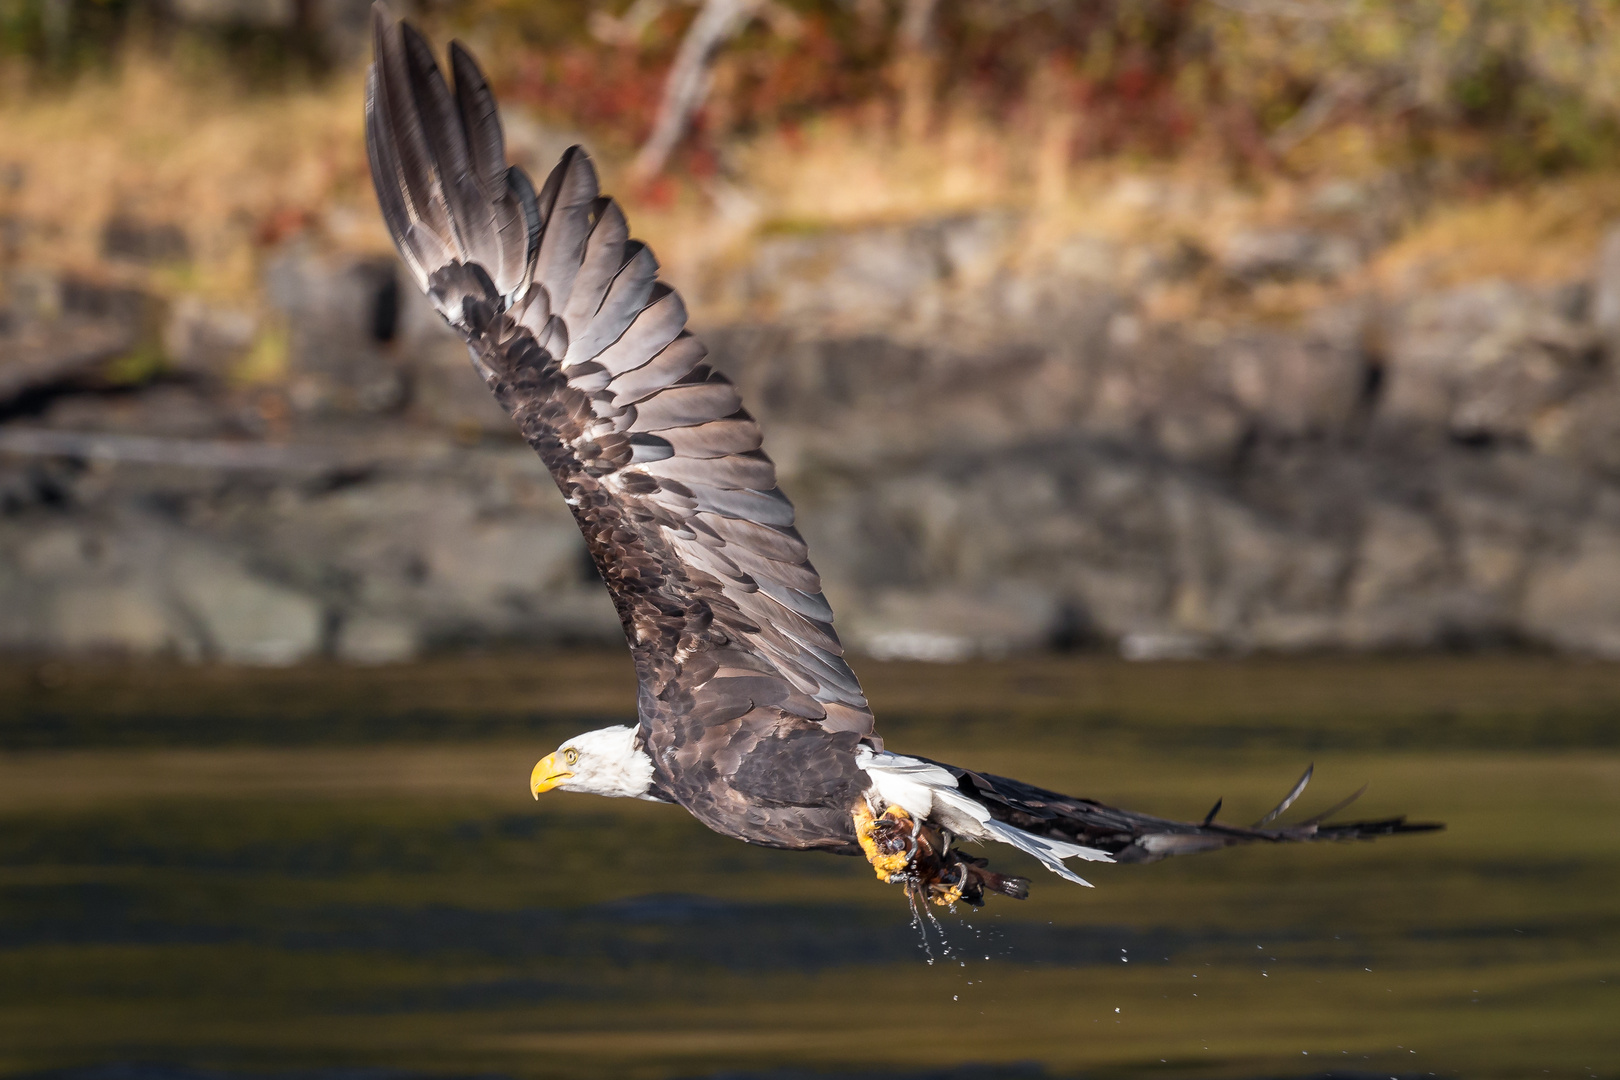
{"x":918,"y":925}
{"x":939,"y":928}
{"x":921,"y":919}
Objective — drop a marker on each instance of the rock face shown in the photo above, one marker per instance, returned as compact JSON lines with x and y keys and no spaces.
{"x":988,"y":454}
{"x":1044,"y":465}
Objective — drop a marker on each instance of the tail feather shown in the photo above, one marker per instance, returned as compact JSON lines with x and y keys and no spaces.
{"x":1050,"y":852}
{"x":1132,"y":837}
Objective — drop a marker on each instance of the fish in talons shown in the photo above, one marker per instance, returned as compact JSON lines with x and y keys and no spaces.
{"x":918,"y":856}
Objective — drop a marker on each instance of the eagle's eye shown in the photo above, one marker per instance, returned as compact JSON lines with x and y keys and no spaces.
{"x":571,"y":756}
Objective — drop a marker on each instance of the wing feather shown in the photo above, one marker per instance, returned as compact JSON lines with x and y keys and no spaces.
{"x":799,"y":576}
{"x":573,"y":190}
{"x":647,"y":337}
{"x":736,"y":471}
{"x":480,"y":119}
{"x":438,"y":162}
{"x":684,"y":405}
{"x":486,"y":155}
{"x":589,"y":352}
{"x":470,"y":215}
{"x":783,"y":545}
{"x":604,"y":258}
{"x":714,"y":439}
{"x":766,"y":507}
{"x":810,"y":605}
{"x":415,"y":177}
{"x":626,"y":298}
{"x":675,"y":362}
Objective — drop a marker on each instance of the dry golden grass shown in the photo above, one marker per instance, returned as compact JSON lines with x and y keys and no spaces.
{"x":236,"y":170}
{"x":1543,"y":234}
{"x":245,"y":172}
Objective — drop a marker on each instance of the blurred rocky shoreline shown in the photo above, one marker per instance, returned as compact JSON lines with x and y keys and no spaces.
{"x":988,"y":454}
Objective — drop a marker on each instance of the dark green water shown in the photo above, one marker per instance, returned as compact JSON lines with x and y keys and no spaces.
{"x":318,"y":870}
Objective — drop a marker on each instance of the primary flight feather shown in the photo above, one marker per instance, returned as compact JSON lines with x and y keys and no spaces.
{"x":749,"y":716}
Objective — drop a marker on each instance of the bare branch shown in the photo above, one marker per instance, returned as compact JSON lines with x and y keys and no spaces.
{"x":688,"y":83}
{"x":914,"y":65}
{"x":917,"y":25}
{"x":1317,"y":111}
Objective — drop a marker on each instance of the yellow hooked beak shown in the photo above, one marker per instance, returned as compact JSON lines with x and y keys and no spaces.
{"x":547,"y":775}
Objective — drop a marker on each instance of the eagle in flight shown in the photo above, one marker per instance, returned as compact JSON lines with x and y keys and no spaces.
{"x":749,"y":716}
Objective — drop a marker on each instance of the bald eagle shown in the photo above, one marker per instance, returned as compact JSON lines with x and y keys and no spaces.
{"x":749,"y":716}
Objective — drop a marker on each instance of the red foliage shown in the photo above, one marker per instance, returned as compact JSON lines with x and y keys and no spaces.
{"x":282,"y":223}
{"x":831,"y":63}
{"x":610,"y":90}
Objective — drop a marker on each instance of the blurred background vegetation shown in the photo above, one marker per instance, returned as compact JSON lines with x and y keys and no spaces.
{"x":1246,"y":244}
{"x":1486,"y":91}
{"x":241,"y":115}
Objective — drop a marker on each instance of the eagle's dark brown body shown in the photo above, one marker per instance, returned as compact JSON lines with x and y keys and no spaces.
{"x":751,"y":717}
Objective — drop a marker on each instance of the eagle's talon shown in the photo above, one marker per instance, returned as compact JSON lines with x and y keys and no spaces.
{"x":914,"y":857}
{"x":890,"y":865}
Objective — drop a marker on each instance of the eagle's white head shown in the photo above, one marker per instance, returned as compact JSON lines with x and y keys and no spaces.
{"x":604,"y":762}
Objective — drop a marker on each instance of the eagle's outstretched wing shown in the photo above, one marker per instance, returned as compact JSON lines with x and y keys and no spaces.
{"x":571,"y":328}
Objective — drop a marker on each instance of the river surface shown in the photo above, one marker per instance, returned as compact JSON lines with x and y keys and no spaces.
{"x":210,"y":873}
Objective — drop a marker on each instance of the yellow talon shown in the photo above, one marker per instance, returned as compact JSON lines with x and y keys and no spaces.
{"x":948,"y":897}
{"x":885,"y":865}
